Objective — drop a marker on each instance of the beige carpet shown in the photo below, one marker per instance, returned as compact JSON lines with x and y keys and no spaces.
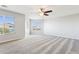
{"x":41,"y":45}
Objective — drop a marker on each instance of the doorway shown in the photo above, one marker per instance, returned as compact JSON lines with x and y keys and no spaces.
{"x":36,"y":26}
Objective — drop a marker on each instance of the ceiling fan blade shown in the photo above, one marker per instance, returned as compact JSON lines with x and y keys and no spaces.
{"x":46,"y":14}
{"x":48,"y":11}
{"x":42,"y":10}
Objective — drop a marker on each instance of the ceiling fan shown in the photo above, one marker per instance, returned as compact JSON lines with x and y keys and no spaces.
{"x":45,"y":12}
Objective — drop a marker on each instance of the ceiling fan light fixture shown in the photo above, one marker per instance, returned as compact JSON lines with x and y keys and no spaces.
{"x":41,"y":14}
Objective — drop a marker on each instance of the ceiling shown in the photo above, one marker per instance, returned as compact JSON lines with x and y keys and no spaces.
{"x":58,"y":10}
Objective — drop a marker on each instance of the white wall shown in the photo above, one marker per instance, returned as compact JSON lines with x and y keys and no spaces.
{"x":19,"y":26}
{"x":67,"y":26}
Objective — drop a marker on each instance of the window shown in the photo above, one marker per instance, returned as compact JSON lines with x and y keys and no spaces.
{"x":6,"y":24}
